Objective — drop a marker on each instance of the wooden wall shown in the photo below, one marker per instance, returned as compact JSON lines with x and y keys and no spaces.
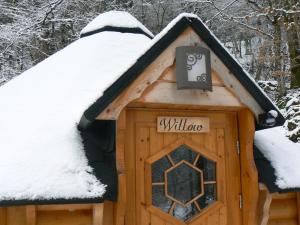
{"x":284,"y":209}
{"x":73,"y":214}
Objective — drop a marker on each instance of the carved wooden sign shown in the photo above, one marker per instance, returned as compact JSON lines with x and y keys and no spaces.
{"x":182,"y":124}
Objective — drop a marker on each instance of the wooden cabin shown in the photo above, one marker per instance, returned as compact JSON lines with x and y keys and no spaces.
{"x":171,"y":135}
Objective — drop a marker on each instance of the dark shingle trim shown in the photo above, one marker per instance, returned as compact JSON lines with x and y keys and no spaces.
{"x":134,"y":30}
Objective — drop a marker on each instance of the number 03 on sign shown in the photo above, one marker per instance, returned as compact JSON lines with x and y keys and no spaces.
{"x":182,"y":124}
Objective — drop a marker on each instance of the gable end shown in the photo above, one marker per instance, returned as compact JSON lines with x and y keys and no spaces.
{"x":145,"y":60}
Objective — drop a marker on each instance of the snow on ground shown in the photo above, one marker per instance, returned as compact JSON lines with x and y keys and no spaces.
{"x":115,"y":19}
{"x":283,"y":154}
{"x":42,"y":156}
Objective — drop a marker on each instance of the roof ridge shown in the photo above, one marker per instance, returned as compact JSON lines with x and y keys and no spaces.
{"x":133,"y":30}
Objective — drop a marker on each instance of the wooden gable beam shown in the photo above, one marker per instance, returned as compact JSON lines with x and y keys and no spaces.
{"x":156,"y":69}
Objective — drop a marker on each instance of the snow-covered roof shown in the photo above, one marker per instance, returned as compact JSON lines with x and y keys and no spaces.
{"x":41,"y":149}
{"x":117,"y":19}
{"x":283,"y":154}
{"x":42,"y":155}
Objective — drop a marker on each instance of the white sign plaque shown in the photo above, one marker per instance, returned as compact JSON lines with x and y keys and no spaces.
{"x":182,"y":124}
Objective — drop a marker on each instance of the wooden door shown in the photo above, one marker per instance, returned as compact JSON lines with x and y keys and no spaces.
{"x":182,"y":178}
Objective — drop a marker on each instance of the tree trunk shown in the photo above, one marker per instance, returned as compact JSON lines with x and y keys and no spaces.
{"x":294,"y":52}
{"x":278,"y":59}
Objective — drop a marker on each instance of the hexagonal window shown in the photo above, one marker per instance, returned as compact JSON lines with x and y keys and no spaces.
{"x":183,"y":183}
{"x":182,"y":177}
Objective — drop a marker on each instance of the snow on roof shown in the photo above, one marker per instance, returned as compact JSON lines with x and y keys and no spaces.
{"x":283,"y":154}
{"x":41,"y":151}
{"x":118,"y":19}
{"x":42,"y":156}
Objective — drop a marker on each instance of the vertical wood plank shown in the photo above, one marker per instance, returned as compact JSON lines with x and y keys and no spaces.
{"x":248,"y":168}
{"x":130,"y":168}
{"x":156,"y":141}
{"x":223,"y":214}
{"x":142,"y":152}
{"x":16,"y":215}
{"x":298,"y":207}
{"x":98,"y":214}
{"x":2,"y":216}
{"x":30,"y":215}
{"x":169,"y":138}
{"x":120,"y":142}
{"x":233,"y":170}
{"x":221,"y":172}
{"x":221,"y":176}
{"x":121,"y":204}
{"x":108,"y":213}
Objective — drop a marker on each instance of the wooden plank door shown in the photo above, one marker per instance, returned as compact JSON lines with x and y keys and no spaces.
{"x":182,"y":178}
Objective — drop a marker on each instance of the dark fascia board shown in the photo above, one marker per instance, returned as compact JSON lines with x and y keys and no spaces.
{"x":132,"y":73}
{"x":7,"y":203}
{"x":134,"y":30}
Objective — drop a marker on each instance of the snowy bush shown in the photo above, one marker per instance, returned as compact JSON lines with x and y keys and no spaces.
{"x":270,"y":87}
{"x":289,"y":106}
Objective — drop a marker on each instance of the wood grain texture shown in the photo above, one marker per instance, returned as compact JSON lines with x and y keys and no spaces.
{"x":16,"y":215}
{"x":283,"y":209}
{"x":31,"y":215}
{"x":130,"y":170}
{"x":98,"y":214}
{"x":65,"y":217}
{"x":2,"y":216}
{"x":264,"y":203}
{"x":70,"y":207}
{"x":50,"y":214}
{"x":298,"y":207}
{"x":249,"y":175}
{"x":121,"y":203}
{"x":161,"y":69}
{"x":120,"y":142}
{"x":149,"y":76}
{"x":283,"y":222}
{"x":290,"y":195}
{"x":108,"y":213}
{"x":149,"y":146}
{"x":165,"y":92}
